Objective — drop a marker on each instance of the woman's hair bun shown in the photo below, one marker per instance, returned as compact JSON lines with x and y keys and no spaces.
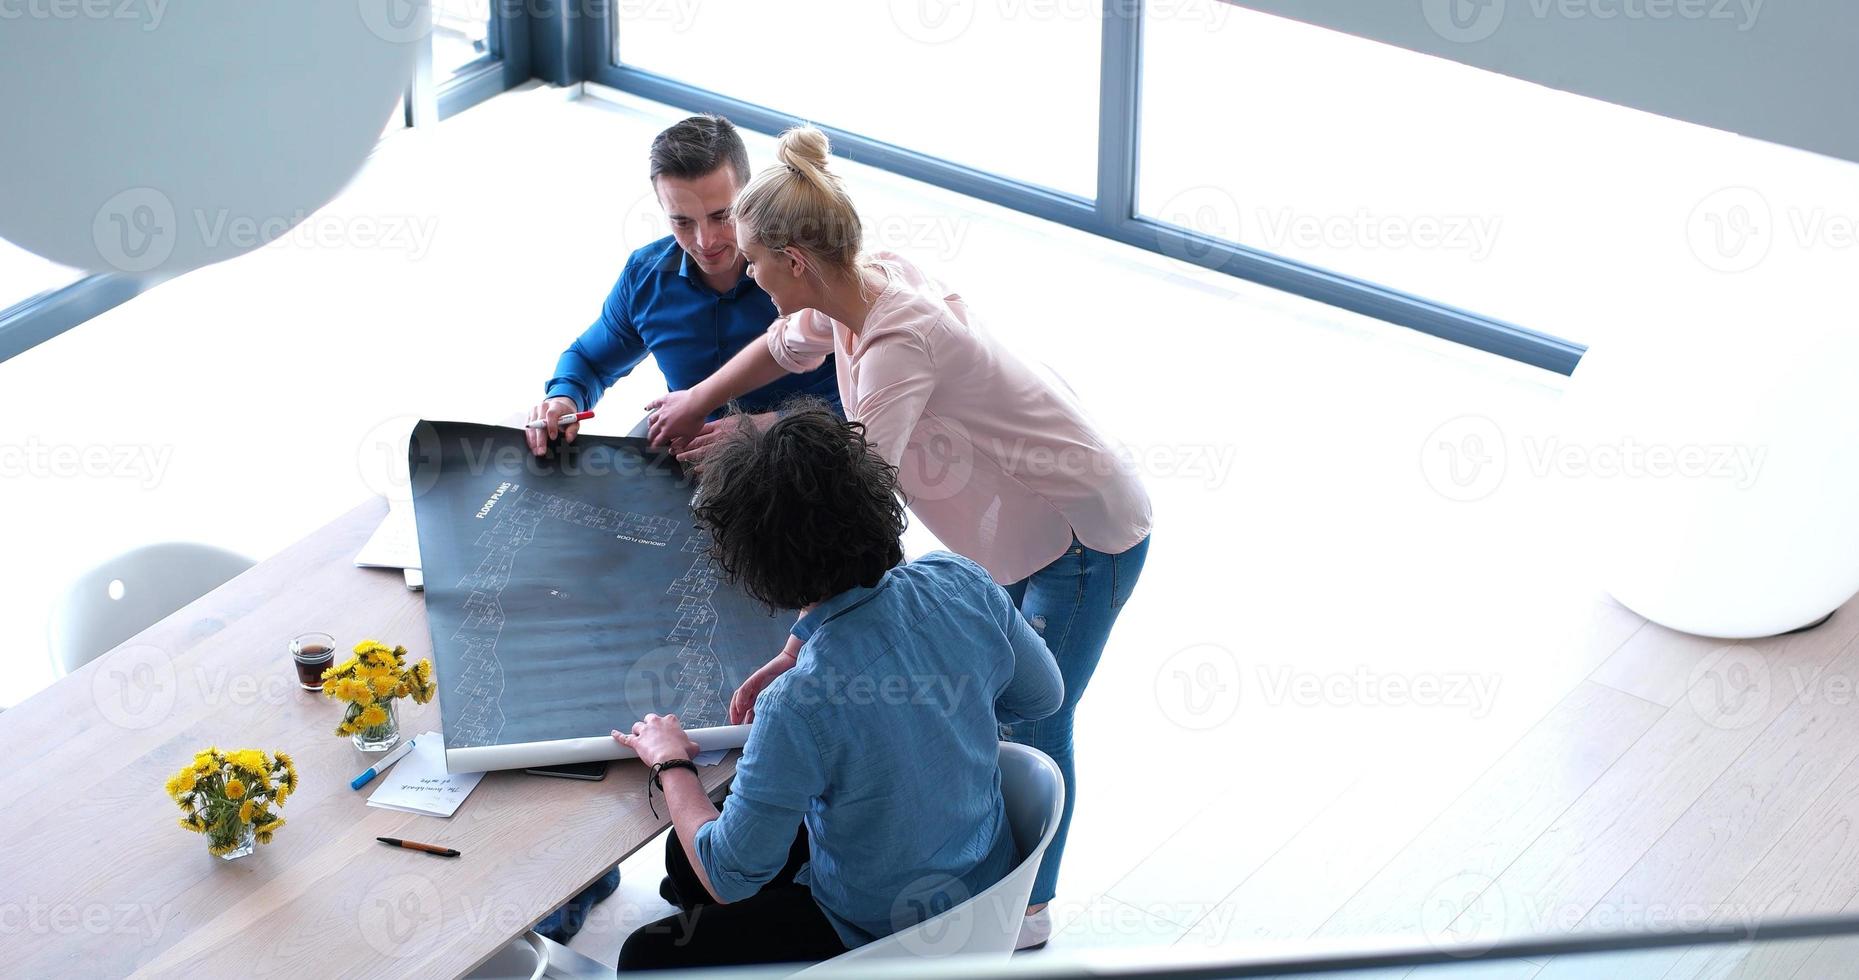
{"x":805,"y":149}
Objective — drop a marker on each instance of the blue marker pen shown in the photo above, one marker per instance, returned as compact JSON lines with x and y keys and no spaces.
{"x":380,"y":767}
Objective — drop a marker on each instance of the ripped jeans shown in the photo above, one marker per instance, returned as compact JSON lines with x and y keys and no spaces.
{"x":1073,"y":603}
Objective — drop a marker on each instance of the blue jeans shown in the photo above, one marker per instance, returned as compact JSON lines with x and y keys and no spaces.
{"x":1073,"y":603}
{"x":562,"y":924}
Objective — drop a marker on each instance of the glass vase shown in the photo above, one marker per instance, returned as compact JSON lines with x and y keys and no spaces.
{"x":382,"y":736}
{"x":238,"y":843}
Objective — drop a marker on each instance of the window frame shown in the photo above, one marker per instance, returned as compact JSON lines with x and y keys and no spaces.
{"x":1112,"y":214}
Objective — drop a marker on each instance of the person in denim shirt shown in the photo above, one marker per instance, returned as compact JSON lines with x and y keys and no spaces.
{"x":868,"y":794}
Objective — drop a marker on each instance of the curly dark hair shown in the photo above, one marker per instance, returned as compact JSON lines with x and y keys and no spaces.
{"x":803,"y":511}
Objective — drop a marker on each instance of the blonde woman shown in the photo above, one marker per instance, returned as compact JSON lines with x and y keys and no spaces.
{"x":1003,"y":467}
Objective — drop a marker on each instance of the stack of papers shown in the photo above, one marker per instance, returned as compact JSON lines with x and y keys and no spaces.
{"x":396,"y":543}
{"x":418,"y":783}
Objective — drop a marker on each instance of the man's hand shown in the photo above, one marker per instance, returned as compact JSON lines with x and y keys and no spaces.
{"x":713,"y":433}
{"x":675,"y":417}
{"x":742,"y":704}
{"x":552,"y":409}
{"x":658,"y":738}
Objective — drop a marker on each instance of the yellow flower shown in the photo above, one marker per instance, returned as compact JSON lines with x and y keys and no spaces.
{"x":234,"y":789}
{"x":271,"y":826}
{"x":189,"y":823}
{"x":384,"y":684}
{"x":245,"y":812}
{"x":182,"y":783}
{"x":250,"y":760}
{"x":371,"y":716}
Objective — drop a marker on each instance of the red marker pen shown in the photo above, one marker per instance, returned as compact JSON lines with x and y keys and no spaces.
{"x":564,"y":420}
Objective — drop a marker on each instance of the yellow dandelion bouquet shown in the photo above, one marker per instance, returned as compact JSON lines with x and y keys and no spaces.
{"x":233,"y":797}
{"x":370,"y":682}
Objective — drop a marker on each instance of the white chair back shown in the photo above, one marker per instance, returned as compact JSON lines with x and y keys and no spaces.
{"x":987,"y":925}
{"x":131,"y":592}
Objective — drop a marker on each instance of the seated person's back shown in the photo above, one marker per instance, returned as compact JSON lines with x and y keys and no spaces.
{"x":875,"y":738}
{"x":885,"y":737}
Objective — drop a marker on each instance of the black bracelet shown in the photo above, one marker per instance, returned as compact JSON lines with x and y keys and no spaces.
{"x":661,"y":767}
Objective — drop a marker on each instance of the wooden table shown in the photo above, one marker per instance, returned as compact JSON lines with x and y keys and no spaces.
{"x":97,"y":879}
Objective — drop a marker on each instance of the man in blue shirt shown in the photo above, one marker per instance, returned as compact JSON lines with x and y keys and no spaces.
{"x":868,"y":796}
{"x":685,"y":299}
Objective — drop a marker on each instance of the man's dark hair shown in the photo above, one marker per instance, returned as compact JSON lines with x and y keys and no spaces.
{"x":696,"y":146}
{"x":803,"y":511}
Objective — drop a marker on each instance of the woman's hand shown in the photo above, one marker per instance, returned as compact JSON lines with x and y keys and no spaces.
{"x":693,"y":452}
{"x":677,"y":416}
{"x":658,"y":738}
{"x":742,"y":704}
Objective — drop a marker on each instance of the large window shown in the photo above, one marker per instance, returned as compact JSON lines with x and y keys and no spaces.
{"x":464,"y":34}
{"x":24,"y":275}
{"x":1512,"y":199}
{"x":1010,"y":88}
{"x":1494,"y":212}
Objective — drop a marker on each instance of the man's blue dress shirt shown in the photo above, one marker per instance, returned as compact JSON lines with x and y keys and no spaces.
{"x":661,"y":306}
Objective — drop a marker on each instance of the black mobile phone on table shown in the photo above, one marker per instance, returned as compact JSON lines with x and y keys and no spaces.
{"x":594,"y":771}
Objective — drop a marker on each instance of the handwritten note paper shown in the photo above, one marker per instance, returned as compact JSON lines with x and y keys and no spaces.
{"x":420,"y":784}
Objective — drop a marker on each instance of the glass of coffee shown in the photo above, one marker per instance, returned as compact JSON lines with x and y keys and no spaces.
{"x":313,"y":653}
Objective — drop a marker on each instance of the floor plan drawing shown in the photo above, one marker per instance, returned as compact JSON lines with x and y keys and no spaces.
{"x":570,"y":596}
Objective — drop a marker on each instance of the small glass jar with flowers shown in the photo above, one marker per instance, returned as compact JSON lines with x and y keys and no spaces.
{"x":233,"y":798}
{"x":369,"y":683}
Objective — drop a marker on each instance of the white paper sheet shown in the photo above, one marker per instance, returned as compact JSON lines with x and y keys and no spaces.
{"x":418,"y":783}
{"x":395,"y":543}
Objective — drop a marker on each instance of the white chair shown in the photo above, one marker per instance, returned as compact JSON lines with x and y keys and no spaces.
{"x":131,"y":592}
{"x":988,"y":925}
{"x":525,"y":958}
